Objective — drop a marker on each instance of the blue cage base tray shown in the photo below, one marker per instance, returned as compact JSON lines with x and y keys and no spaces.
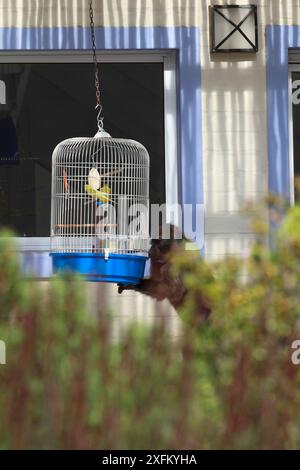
{"x":118,"y":268}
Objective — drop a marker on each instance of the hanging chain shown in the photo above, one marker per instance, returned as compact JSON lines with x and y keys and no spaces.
{"x":96,"y":70}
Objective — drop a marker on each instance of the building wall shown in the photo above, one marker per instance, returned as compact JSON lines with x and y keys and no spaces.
{"x":233,"y":97}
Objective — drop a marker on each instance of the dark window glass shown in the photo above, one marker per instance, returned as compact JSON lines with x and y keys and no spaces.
{"x":296,"y":127}
{"x":43,"y":104}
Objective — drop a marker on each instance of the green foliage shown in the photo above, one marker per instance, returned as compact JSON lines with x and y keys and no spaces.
{"x":229,"y":383}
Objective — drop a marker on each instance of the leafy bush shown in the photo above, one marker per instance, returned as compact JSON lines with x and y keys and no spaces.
{"x":228,"y":384}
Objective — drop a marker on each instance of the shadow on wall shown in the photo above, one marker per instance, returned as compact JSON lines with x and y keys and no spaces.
{"x":106,"y":12}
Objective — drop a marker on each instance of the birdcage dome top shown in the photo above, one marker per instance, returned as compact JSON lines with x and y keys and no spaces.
{"x":84,"y":147}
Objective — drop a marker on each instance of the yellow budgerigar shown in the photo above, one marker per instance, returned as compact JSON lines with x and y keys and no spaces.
{"x":99,"y":195}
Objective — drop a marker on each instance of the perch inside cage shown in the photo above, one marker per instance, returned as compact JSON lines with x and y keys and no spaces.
{"x":100,"y":208}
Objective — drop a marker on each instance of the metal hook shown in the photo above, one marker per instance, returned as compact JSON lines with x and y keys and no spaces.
{"x":99,"y":118}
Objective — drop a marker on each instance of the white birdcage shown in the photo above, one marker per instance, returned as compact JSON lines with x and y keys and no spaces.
{"x":100,"y":202}
{"x":100,"y":208}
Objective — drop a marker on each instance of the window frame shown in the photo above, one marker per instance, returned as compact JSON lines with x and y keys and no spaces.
{"x":293,"y":67}
{"x":169,"y":60}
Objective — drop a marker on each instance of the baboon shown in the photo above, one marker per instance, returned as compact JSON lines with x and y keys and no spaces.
{"x":162,"y":283}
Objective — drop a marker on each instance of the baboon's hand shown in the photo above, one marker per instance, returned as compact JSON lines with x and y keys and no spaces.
{"x":122,"y":287}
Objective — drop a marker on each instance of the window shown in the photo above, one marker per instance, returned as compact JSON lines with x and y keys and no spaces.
{"x":45,"y":99}
{"x":294,"y":129}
